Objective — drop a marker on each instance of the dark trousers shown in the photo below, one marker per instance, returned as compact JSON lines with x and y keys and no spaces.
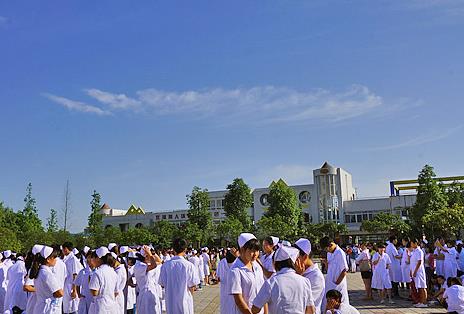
{"x":395,"y":290}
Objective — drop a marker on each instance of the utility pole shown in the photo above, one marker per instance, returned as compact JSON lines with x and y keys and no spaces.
{"x":67,"y":196}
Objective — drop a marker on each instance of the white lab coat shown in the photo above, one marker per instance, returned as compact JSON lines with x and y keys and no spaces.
{"x":103,"y":280}
{"x":405,"y":266}
{"x":82,"y":280}
{"x":120,"y":285}
{"x":150,"y":293}
{"x":395,"y":267}
{"x":316,"y":278}
{"x":196,"y":261}
{"x":381,"y":276}
{"x":177,"y":276}
{"x":223,"y":273}
{"x":60,"y":272}
{"x":440,"y":270}
{"x":450,"y":265}
{"x":3,"y":281}
{"x":267,"y":262}
{"x":32,"y":296}
{"x":286,"y":292}
{"x":454,"y":296}
{"x":45,"y":285}
{"x":131,"y":295}
{"x":420,"y":279}
{"x":206,"y":259}
{"x":15,"y":295}
{"x":336,"y":264}
{"x":246,"y":282}
{"x":73,"y":267}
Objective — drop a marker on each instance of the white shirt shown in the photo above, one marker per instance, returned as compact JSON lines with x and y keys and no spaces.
{"x":336,"y":265}
{"x":245,"y":282}
{"x":285,"y":292}
{"x":177,"y":276}
{"x":345,"y":309}
{"x":223,"y":272}
{"x":454,"y":296}
{"x":395,"y":269}
{"x":45,"y":285}
{"x":15,"y":295}
{"x":266,"y":260}
{"x":120,"y":285}
{"x":73,"y":267}
{"x":316,"y":278}
{"x":104,"y":281}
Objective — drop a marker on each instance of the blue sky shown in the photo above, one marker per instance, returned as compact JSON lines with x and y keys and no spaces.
{"x":143,"y":100}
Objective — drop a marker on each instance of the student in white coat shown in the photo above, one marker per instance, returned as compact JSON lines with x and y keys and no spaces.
{"x":454,"y":296}
{"x":286,"y":292}
{"x":121,"y":272}
{"x":335,"y":304}
{"x":226,"y":300}
{"x":307,"y":268}
{"x":60,"y":272}
{"x":206,"y":264}
{"x":103,"y":282}
{"x":395,"y":267}
{"x":450,"y":265}
{"x":5,"y":264}
{"x":131,"y":283}
{"x":439,"y":256}
{"x":405,"y":268}
{"x":147,"y":272}
{"x":266,"y":260}
{"x":337,"y":268}
{"x":16,"y":297}
{"x":196,"y":261}
{"x":82,"y":285}
{"x":73,"y":267}
{"x":47,"y":286}
{"x":381,"y":276}
{"x":28,"y":282}
{"x":418,"y":272}
{"x":179,"y":279}
{"x":245,"y":276}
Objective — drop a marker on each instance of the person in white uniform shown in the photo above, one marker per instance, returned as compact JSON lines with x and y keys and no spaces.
{"x":5,"y":264}
{"x":73,"y":267}
{"x":226,"y":299}
{"x":381,"y":276}
{"x":147,"y":272}
{"x":286,"y":292}
{"x":307,"y":268}
{"x":206,"y":264}
{"x":335,"y":304}
{"x":121,"y":272}
{"x":405,"y":268}
{"x":454,"y":296}
{"x":450,"y":265}
{"x":16,"y":297}
{"x":131,"y":283}
{"x":266,"y":260}
{"x":60,"y":271}
{"x":82,"y":286}
{"x":395,"y":267}
{"x":195,"y":260}
{"x":28,"y":282}
{"x":439,"y":256}
{"x":179,"y":279}
{"x":337,"y":268}
{"x":418,"y":272}
{"x":48,"y":289}
{"x":103,"y":282}
{"x":365,"y":267}
{"x":245,"y":276}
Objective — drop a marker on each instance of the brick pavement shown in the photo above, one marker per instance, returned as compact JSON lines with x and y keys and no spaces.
{"x":207,"y":301}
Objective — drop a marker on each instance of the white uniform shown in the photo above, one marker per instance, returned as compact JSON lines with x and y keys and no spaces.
{"x":196,"y":261}
{"x":454,"y":296}
{"x":120,"y":285}
{"x":395,"y":267}
{"x":223,"y":272}
{"x":246,"y":282}
{"x":285,"y":292}
{"x":201,"y":271}
{"x":336,"y":264}
{"x":206,"y":259}
{"x":316,"y":278}
{"x":420,"y":279}
{"x":266,"y":260}
{"x":439,"y":263}
{"x":150,"y":293}
{"x":131,"y":295}
{"x":32,"y":297}
{"x":177,"y":276}
{"x":450,"y":265}
{"x":15,"y":295}
{"x":73,"y":267}
{"x":45,"y":285}
{"x":405,"y":266}
{"x":3,"y":281}
{"x":381,"y":276}
{"x":103,"y":280}
{"x":60,"y":272}
{"x":82,"y":280}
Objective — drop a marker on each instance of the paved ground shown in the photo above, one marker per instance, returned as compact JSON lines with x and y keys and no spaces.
{"x":207,"y":301}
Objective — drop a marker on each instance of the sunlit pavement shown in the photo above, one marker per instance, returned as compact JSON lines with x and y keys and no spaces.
{"x":207,"y":300}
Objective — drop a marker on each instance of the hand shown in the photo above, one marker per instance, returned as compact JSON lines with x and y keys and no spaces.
{"x":299,"y":266}
{"x":73,"y":294}
{"x":332,"y":304}
{"x":414,"y":275}
{"x":147,"y":251}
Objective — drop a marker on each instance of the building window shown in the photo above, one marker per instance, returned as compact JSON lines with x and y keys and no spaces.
{"x":353,"y":218}
{"x":359,"y":218}
{"x":170,"y":216}
{"x":218,"y":203}
{"x":182,"y":215}
{"x":212,"y":204}
{"x":365,"y":216}
{"x":164,"y":216}
{"x":263,"y":200}
{"x":139,"y":225}
{"x":216,"y":214}
{"x":177,"y":217}
{"x":304,"y":197}
{"x":157,"y":217}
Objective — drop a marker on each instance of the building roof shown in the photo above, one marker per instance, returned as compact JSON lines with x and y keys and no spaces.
{"x":105,"y":206}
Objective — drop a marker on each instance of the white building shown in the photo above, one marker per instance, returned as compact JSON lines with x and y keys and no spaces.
{"x":330,"y":198}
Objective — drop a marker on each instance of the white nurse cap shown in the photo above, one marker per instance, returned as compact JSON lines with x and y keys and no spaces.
{"x":286,"y":252}
{"x":304,"y":245}
{"x":75,"y":251}
{"x":244,"y":238}
{"x":285,"y":243}
{"x":458,"y":242}
{"x":36,"y":249}
{"x":132,"y":255}
{"x":86,"y":249}
{"x":46,"y":251}
{"x":7,"y":253}
{"x":114,"y":255}
{"x":102,"y":251}
{"x":275,"y":240}
{"x":111,"y":246}
{"x":123,"y":249}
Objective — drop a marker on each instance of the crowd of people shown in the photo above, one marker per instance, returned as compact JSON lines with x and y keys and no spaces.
{"x":425,"y":270}
{"x":271,"y":276}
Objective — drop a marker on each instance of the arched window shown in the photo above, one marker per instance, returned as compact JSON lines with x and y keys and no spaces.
{"x":139,"y":225}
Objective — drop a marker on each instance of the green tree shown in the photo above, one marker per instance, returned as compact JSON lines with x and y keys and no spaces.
{"x":95,"y":220}
{"x":454,"y":194}
{"x":112,"y":234}
{"x":447,"y":220}
{"x":276,"y":225}
{"x":229,"y":230}
{"x":135,"y":236}
{"x":9,"y":240}
{"x":29,"y":219}
{"x":198,"y":213}
{"x":164,"y":231}
{"x":192,"y":233}
{"x":52,"y":221}
{"x":237,"y":201}
{"x":386,"y":222}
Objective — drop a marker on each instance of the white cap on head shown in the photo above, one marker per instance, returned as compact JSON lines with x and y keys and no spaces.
{"x":102,"y":251}
{"x":46,"y":251}
{"x":142,"y":252}
{"x":304,"y":245}
{"x":275,"y":240}
{"x":7,"y":253}
{"x":458,"y":242}
{"x":286,"y":252}
{"x":86,"y":249}
{"x":1,"y":256}
{"x":75,"y":251}
{"x":285,"y":243}
{"x":37,"y":248}
{"x":244,"y":238}
{"x":194,"y":252}
{"x":114,"y":255}
{"x":425,"y":241}
{"x":123,"y":249}
{"x":132,"y":255}
{"x":111,"y":246}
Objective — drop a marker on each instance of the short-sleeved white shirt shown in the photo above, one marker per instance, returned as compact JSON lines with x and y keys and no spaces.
{"x":267,"y":262}
{"x":316,"y":278}
{"x":45,"y":285}
{"x":285,"y":292}
{"x":104,"y":280}
{"x":454,"y":296}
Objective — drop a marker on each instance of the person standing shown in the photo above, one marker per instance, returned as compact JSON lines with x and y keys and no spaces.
{"x":222,"y":276}
{"x":439,"y":256}
{"x":73,"y":267}
{"x":121,"y":272}
{"x":418,"y":273}
{"x":16,"y":297}
{"x":245,"y":276}
{"x":179,"y":278}
{"x":266,"y":262}
{"x":381,"y":277}
{"x":364,"y":261}
{"x":395,"y":267}
{"x":147,"y":273}
{"x":206,"y":265}
{"x":82,"y":286}
{"x":336,"y":268}
{"x":307,"y":268}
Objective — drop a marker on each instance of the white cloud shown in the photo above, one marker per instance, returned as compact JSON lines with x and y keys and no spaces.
{"x":420,"y":140}
{"x":115,"y":101}
{"x":76,"y":105}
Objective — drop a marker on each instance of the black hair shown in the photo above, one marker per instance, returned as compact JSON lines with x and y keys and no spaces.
{"x":29,"y":260}
{"x":269,"y":240}
{"x":406,"y":239}
{"x":179,"y":245}
{"x":453,"y":281}
{"x":284,"y":264}
{"x":252,"y":244}
{"x":392,"y":238}
{"x":68,"y":245}
{"x":38,"y":261}
{"x":440,"y":276}
{"x":230,"y":258}
{"x":381,"y":245}
{"x":108,"y":259}
{"x":415,"y":240}
{"x":301,"y":252}
{"x":334,"y":294}
{"x":325,"y":242}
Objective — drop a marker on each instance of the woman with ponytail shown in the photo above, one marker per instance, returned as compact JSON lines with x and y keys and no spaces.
{"x":47,"y":287}
{"x":82,"y":284}
{"x":121,"y":272}
{"x":102,"y":283}
{"x":28,"y":282}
